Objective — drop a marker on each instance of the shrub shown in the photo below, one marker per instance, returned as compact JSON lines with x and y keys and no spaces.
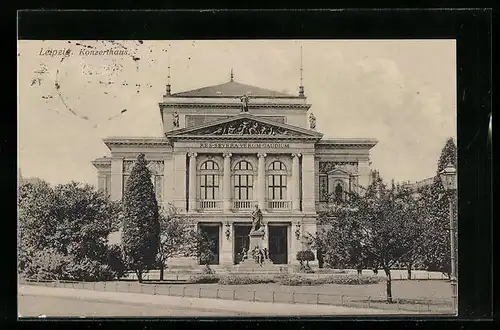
{"x":207,"y":270}
{"x":293,"y":280}
{"x":331,"y":271}
{"x":245,"y":279}
{"x":204,"y":278}
{"x":307,"y":256}
{"x":349,"y":280}
{"x":297,"y":280}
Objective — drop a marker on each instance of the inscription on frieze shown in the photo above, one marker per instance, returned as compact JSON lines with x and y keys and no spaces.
{"x":250,"y":145}
{"x":245,"y":127}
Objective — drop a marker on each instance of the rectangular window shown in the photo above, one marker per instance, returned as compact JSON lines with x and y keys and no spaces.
{"x":243,"y":186}
{"x":209,"y":186}
{"x":277,"y":187}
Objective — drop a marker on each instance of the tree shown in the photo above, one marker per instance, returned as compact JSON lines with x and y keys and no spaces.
{"x":36,"y":221}
{"x":63,"y":231}
{"x":380,"y":228}
{"x":177,"y":237}
{"x":141,"y":226}
{"x":436,"y":254}
{"x":204,"y":250}
{"x":305,"y":255}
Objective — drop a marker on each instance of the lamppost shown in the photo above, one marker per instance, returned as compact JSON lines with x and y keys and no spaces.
{"x":449,"y":179}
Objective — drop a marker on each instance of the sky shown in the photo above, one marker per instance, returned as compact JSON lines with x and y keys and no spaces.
{"x":400,"y":92}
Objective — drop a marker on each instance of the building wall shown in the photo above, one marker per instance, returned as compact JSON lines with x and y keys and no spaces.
{"x":201,"y":113}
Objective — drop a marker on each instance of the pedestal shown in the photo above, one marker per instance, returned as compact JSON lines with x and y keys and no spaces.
{"x":249,"y":265}
{"x":256,"y":239}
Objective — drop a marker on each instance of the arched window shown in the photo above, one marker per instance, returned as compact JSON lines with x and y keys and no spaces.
{"x":277,"y":181}
{"x":243,"y":181}
{"x":209,"y":180}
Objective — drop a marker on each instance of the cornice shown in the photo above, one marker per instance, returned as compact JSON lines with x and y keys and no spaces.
{"x":243,"y":137}
{"x":136,"y":141}
{"x":102,"y":163}
{"x":347,"y":143}
{"x":233,"y":106}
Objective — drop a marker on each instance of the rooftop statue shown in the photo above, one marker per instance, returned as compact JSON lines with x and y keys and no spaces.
{"x":312,"y":121}
{"x":244,"y":103}
{"x":175,"y":119}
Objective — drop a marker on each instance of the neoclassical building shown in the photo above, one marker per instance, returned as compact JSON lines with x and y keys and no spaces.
{"x":229,"y":147}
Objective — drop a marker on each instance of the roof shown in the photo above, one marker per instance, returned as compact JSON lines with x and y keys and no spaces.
{"x":232,"y":89}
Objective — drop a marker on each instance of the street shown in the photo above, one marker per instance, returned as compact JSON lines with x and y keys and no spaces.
{"x":33,"y":306}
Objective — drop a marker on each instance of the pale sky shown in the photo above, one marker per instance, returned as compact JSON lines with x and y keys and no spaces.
{"x":401,"y":92}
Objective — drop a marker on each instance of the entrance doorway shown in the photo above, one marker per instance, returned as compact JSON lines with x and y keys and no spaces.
{"x":241,"y":240}
{"x":211,"y":233}
{"x":278,"y":244}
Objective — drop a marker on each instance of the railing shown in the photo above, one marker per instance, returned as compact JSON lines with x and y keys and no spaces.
{"x":290,"y":295}
{"x":243,"y":204}
{"x":279,"y":204}
{"x":209,"y":205}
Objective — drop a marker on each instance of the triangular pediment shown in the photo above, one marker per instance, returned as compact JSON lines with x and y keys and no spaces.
{"x":338,"y":171}
{"x":245,"y":125}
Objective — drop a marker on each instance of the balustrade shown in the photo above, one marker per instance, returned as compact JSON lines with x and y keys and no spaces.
{"x":209,"y":205}
{"x":279,"y":204}
{"x":243,"y":204}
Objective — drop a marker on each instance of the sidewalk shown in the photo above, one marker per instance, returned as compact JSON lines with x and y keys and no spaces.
{"x":252,"y":308}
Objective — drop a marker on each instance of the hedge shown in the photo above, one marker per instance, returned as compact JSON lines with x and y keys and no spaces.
{"x":245,"y":279}
{"x":295,"y":280}
{"x":203,"y":278}
{"x":285,"y":279}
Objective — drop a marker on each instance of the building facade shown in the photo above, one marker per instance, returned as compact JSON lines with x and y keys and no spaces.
{"x":231,"y":147}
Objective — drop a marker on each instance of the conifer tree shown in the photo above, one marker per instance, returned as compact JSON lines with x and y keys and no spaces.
{"x":141,"y":227}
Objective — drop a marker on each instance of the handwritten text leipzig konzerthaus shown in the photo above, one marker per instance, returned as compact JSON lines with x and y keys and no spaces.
{"x":82,"y":52}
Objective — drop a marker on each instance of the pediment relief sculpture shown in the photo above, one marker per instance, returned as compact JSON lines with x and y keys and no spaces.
{"x":350,"y":167}
{"x":245,"y":127}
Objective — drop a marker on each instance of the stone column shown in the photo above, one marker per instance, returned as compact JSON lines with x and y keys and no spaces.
{"x":226,"y":251}
{"x":192,"y":181}
{"x":308,"y":198}
{"x":179,"y":181}
{"x":294,"y":243}
{"x":101,"y":182}
{"x":226,"y":188}
{"x":364,"y":173}
{"x":316,"y":183}
{"x":261,"y":192}
{"x":295,"y":182}
{"x":116,"y":178}
{"x":168,"y":181}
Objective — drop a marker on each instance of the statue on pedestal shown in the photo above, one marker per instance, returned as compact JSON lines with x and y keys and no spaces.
{"x":257,"y":223}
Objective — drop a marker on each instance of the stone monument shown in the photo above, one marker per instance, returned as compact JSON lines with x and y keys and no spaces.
{"x":257,"y":257}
